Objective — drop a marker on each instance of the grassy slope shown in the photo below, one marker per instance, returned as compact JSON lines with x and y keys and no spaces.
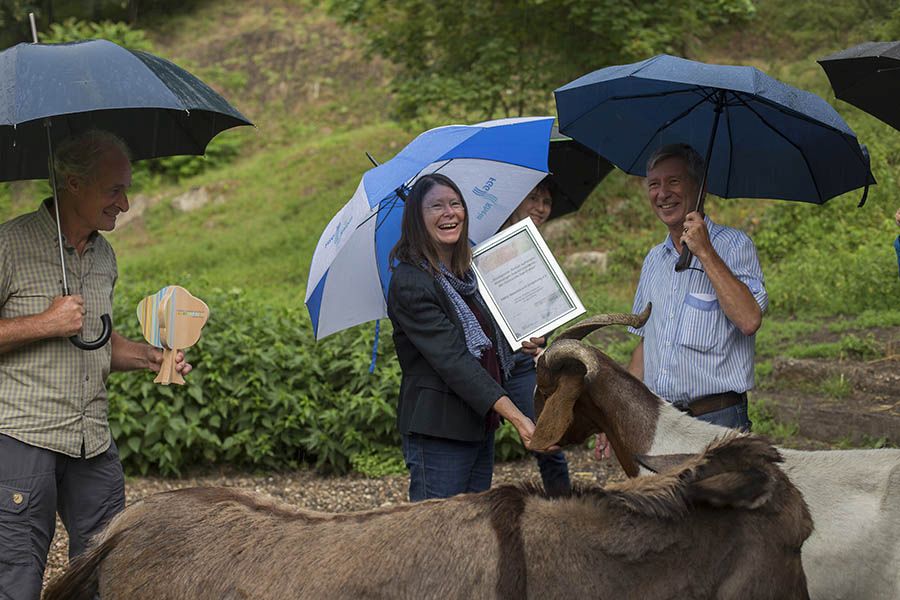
{"x":319,"y":104}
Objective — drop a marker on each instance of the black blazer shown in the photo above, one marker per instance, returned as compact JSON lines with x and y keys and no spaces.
{"x":444,"y":390}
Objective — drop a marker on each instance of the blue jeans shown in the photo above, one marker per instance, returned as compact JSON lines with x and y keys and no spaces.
{"x":520,"y":387}
{"x":734,"y":417}
{"x":440,"y":468}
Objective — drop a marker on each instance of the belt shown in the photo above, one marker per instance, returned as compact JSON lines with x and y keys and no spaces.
{"x":712,"y":403}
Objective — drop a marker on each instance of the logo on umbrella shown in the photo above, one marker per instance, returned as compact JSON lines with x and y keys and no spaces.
{"x":489,"y":199}
{"x":339,"y":232}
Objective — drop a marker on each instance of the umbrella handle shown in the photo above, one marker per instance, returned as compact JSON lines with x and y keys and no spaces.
{"x":100,"y":341}
{"x":684,"y":260}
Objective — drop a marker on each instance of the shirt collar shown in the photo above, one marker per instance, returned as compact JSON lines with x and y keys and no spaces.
{"x":45,"y":216}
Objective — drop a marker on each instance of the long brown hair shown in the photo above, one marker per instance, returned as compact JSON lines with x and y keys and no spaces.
{"x":415,"y":243}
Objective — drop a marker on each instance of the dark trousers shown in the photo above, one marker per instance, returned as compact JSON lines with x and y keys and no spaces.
{"x":520,"y":387}
{"x":440,"y":468}
{"x":35,"y":483}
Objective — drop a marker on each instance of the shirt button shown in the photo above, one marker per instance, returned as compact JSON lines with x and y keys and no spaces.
{"x":87,"y":377}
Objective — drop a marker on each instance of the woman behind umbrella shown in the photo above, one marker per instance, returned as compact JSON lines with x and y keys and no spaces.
{"x":452,"y":365}
{"x":522,"y":379}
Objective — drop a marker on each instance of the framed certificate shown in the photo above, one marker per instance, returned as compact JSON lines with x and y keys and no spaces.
{"x":522,"y":284}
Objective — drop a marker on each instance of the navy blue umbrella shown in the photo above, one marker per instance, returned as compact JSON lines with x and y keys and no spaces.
{"x":763,"y":138}
{"x":51,"y":91}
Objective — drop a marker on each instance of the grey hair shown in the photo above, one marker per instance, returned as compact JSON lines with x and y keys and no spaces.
{"x":685,"y":152}
{"x":79,"y":154}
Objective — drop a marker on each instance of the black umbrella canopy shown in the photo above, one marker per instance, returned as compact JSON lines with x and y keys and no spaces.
{"x":868,"y":77}
{"x":157,"y":107}
{"x":576,"y":170}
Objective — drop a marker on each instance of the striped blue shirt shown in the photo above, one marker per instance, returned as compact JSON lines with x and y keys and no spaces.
{"x":691,"y":349}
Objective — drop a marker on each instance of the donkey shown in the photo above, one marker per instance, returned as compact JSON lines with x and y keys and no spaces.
{"x":724,"y":524}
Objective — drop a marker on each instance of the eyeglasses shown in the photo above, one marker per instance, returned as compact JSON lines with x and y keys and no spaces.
{"x":436,"y":208}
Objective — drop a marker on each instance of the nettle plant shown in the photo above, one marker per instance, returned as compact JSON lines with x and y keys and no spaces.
{"x":263,"y":393}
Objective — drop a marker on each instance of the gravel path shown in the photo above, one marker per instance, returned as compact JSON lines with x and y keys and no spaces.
{"x":334,"y":494}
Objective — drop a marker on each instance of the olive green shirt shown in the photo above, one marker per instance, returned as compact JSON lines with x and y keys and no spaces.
{"x":52,"y":394}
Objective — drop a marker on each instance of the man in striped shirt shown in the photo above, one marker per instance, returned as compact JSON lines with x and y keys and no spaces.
{"x":56,"y":452}
{"x":698,"y":345}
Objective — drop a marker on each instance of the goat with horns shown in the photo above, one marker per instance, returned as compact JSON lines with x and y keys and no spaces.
{"x":853,"y":495}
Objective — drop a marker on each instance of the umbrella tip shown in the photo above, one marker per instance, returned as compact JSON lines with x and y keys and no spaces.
{"x":33,"y":27}
{"x":372,"y":160}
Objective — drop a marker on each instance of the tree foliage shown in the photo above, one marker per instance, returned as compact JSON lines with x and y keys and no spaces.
{"x":502,"y":57}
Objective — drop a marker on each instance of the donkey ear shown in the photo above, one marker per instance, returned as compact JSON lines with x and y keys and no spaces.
{"x":556,"y":415}
{"x":662,"y":462}
{"x":749,"y":489}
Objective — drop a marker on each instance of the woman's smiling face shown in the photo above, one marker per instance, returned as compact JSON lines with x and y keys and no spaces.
{"x":444,"y":214}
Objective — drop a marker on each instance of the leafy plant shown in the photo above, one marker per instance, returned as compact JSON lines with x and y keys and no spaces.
{"x":379,"y":464}
{"x":487,"y":59}
{"x":837,"y":386}
{"x":263,"y":394}
{"x":74,"y":30}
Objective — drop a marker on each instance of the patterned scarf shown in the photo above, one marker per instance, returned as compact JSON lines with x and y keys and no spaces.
{"x":476,"y":340}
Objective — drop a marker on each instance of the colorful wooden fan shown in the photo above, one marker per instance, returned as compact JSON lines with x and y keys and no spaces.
{"x":171,"y":319}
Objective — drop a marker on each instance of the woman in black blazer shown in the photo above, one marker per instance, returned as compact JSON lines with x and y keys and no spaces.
{"x":452,"y":357}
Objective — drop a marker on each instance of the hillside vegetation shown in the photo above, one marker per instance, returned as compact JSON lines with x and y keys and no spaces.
{"x":320,"y":99}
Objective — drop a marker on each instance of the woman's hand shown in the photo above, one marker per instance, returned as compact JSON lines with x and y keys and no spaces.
{"x":534,"y":346}
{"x":524,"y":426}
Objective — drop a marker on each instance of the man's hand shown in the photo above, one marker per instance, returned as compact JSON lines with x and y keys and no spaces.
{"x":65,"y":316}
{"x":897,"y":217}
{"x":155,"y":358}
{"x":696,"y":236}
{"x":602,"y":449}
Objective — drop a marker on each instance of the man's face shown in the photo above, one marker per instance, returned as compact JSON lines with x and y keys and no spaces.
{"x":672,"y":191}
{"x":100,"y":198}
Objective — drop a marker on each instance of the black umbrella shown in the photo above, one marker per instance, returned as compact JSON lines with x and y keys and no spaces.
{"x":52,"y":91}
{"x":868,"y":77}
{"x":575,"y":172}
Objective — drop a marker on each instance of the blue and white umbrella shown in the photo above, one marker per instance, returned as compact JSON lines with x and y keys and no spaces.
{"x":495,"y":164}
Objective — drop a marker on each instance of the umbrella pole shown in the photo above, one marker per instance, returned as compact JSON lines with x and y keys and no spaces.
{"x":59,"y":238}
{"x":105,"y":320}
{"x":686,"y":255}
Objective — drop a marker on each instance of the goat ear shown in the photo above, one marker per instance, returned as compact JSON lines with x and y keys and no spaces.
{"x":662,"y":462}
{"x":750,"y":488}
{"x":556,"y":415}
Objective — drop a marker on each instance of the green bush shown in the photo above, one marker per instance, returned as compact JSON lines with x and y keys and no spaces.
{"x":264,"y":393}
{"x":73,"y":30}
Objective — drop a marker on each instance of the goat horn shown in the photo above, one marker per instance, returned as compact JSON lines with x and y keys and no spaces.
{"x":580,"y":330}
{"x":557,"y":413}
{"x":562,"y":351}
